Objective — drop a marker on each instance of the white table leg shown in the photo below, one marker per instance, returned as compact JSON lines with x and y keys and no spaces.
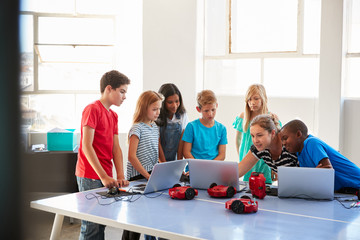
{"x":56,"y":229}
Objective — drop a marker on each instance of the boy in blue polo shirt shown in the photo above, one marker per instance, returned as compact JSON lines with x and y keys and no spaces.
{"x":205,"y":138}
{"x":313,"y":152}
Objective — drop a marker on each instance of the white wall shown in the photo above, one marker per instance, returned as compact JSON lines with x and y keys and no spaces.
{"x":330,"y":71}
{"x":172,"y":53}
{"x":171,"y":32}
{"x":350,"y":143}
{"x":169,"y":42}
{"x":171,"y":35}
{"x":231,"y":106}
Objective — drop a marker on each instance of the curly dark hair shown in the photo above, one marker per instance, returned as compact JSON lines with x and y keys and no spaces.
{"x":167,"y":90}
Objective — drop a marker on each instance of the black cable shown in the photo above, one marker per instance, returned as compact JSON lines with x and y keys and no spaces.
{"x":91,"y":196}
{"x":347,"y":200}
{"x":306,"y":197}
{"x":160,"y":193}
{"x":346,"y":207}
{"x":127,"y":198}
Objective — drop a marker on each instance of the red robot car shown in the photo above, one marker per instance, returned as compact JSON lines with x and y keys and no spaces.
{"x":182,"y":192}
{"x":221,"y":191}
{"x":257,"y":185}
{"x":242,"y":205}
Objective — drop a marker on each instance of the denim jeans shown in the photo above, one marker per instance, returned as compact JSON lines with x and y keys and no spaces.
{"x":148,"y":237}
{"x":170,"y":138}
{"x":90,"y":230}
{"x":128,"y":235}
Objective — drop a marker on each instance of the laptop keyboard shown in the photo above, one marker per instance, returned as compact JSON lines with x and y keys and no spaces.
{"x":139,"y":187}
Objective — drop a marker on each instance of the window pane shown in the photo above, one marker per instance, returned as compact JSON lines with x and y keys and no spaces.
{"x":98,"y":7}
{"x":90,"y":54}
{"x":44,"y":112}
{"x":263,"y":25}
{"x":215,"y":23}
{"x":82,"y":100}
{"x":53,"y":6}
{"x":76,"y":30}
{"x":354,"y":36}
{"x":352,"y":82}
{"x":71,"y":76}
{"x":26,"y":52}
{"x":312,"y":20}
{"x":125,"y":111}
{"x":231,"y":77}
{"x":291,"y":77}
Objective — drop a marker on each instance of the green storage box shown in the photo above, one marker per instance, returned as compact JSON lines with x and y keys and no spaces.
{"x":61,"y":140}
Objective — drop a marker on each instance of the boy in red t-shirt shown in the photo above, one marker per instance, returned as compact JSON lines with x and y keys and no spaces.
{"x":99,"y":145}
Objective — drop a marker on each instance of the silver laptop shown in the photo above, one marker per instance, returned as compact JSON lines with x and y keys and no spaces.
{"x":302,"y":182}
{"x":205,"y":172}
{"x":163,"y":176}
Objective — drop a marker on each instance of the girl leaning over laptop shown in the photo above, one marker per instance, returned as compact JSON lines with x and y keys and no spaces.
{"x":264,"y":131}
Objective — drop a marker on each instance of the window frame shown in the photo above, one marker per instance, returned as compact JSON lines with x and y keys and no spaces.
{"x":348,"y":55}
{"x":229,"y":55}
{"x":299,"y":53}
{"x":36,"y":16}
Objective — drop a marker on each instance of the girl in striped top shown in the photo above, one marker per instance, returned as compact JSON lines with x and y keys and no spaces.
{"x":144,"y":148}
{"x":267,"y":145}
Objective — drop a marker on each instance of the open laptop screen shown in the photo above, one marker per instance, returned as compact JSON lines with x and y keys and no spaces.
{"x":163,"y":176}
{"x":302,"y":182}
{"x":205,"y":172}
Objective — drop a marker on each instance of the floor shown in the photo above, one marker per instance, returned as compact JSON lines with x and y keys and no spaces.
{"x":42,"y":225}
{"x":39,"y":224}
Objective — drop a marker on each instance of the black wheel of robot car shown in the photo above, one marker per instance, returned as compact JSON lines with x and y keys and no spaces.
{"x":189,"y":193}
{"x":254,"y":196}
{"x":177,"y":185}
{"x":245,"y":197}
{"x":237,"y":206}
{"x":230,"y":192}
{"x":213,"y":185}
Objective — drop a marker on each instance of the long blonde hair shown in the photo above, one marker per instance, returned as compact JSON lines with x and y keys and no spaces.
{"x":145,"y":100}
{"x":252,"y":90}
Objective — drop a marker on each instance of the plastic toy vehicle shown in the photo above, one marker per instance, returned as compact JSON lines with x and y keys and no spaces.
{"x":257,"y":185}
{"x":182,"y":192}
{"x":221,"y":191}
{"x":242,"y":205}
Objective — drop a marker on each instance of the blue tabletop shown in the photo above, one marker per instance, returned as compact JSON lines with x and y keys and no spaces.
{"x":205,"y":217}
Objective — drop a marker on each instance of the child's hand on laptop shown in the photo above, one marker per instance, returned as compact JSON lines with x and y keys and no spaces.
{"x":274,"y":176}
